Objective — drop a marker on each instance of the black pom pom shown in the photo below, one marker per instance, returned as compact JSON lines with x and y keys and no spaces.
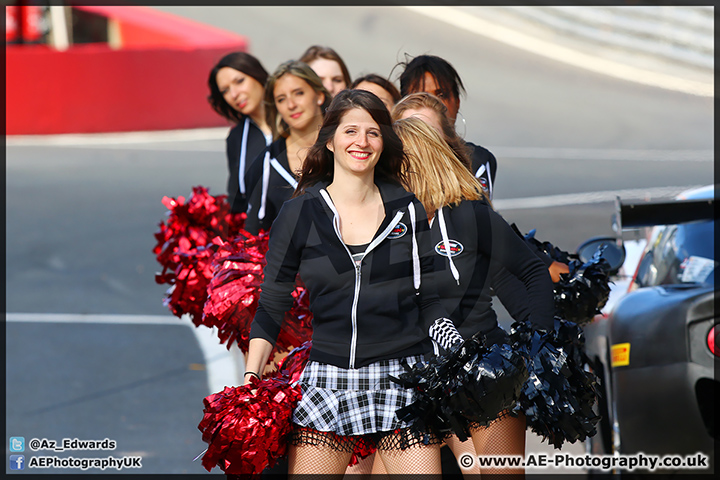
{"x":558,"y":397}
{"x":469,"y":386}
{"x":581,"y":293}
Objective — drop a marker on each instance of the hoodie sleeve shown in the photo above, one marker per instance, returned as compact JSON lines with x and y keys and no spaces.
{"x":283,"y":262}
{"x":511,"y":253}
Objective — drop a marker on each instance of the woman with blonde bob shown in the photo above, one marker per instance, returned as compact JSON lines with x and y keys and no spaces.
{"x":469,"y":240}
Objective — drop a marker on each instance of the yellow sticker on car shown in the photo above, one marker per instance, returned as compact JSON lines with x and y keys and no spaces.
{"x":620,"y":354}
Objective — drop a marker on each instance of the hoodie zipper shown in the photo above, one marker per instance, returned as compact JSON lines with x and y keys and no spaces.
{"x":358,"y":270}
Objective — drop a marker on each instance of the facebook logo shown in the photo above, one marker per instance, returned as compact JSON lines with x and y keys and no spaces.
{"x":17,"y":462}
{"x":17,"y":444}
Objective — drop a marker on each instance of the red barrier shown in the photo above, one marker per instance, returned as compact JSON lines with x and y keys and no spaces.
{"x":157,"y":81}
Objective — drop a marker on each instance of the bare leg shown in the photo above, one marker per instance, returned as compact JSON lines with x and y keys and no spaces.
{"x":504,"y":436}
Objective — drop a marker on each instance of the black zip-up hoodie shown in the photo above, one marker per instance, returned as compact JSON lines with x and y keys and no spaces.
{"x":480,"y":241}
{"x":380,"y":309}
{"x":244,"y":143}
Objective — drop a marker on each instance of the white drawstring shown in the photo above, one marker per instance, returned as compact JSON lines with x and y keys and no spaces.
{"x":415,"y":255}
{"x":284,"y":173}
{"x":446,"y":242}
{"x":243,"y":154}
{"x":489,"y":177}
{"x":266,"y":181}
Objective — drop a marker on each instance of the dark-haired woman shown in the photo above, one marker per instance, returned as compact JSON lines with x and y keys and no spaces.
{"x":434,"y":75}
{"x":359,"y":241}
{"x":295,"y":101}
{"x":237,"y":90}
{"x":329,"y":66}
{"x":380,"y":86}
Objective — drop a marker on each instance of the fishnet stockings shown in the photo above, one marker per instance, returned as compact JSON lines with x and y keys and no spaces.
{"x":317,"y":460}
{"x":504,"y":436}
{"x":325,"y":453}
{"x":332,"y":464}
{"x":415,"y":460}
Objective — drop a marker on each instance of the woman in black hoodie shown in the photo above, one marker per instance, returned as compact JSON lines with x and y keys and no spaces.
{"x":295,"y":101}
{"x":470,"y":239}
{"x":359,"y":241}
{"x":237,"y":92}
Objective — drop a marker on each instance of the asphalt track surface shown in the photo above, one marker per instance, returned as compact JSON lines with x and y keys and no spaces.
{"x":91,"y":351}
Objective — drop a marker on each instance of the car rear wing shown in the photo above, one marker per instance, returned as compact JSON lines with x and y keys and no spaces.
{"x":648,"y":214}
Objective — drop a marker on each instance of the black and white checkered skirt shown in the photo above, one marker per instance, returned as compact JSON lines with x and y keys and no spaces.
{"x":352,"y":401}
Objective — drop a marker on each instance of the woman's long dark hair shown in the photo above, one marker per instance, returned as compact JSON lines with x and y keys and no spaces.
{"x":242,"y":62}
{"x":319,"y":163}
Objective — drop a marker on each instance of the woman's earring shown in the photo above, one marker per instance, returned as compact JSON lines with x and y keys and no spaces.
{"x":464,"y":126}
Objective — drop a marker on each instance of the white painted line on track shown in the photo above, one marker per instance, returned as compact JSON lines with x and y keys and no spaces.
{"x":119,"y":138}
{"x":589,"y":197}
{"x":93,"y":318}
{"x":458,"y":18}
{"x":221,"y":364}
{"x":601,"y":154}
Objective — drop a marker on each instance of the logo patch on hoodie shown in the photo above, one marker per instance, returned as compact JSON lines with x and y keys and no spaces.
{"x":456,"y":248}
{"x":399,"y":230}
{"x":483,"y":184}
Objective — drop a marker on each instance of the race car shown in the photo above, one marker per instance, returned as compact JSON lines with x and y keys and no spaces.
{"x":655,"y":352}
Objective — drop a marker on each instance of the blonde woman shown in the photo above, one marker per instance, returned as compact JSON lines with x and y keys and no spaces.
{"x":470,"y":239}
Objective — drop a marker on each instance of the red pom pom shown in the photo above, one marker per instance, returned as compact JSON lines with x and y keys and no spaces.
{"x":296,"y":328}
{"x":234,"y":291}
{"x":362,"y":450}
{"x":182,"y":243}
{"x":292,"y":366}
{"x":247,"y":431}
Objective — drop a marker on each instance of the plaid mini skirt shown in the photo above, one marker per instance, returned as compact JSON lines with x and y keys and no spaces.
{"x":353,"y":401}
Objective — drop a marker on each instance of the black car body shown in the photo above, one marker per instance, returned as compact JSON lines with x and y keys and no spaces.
{"x":654,"y":352}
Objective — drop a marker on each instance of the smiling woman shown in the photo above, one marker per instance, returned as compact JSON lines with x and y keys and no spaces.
{"x":295,"y":101}
{"x":357,"y":143}
{"x":358,"y":240}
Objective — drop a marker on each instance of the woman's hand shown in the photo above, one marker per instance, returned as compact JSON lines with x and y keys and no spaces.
{"x":556,"y":268}
{"x":258,"y":352}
